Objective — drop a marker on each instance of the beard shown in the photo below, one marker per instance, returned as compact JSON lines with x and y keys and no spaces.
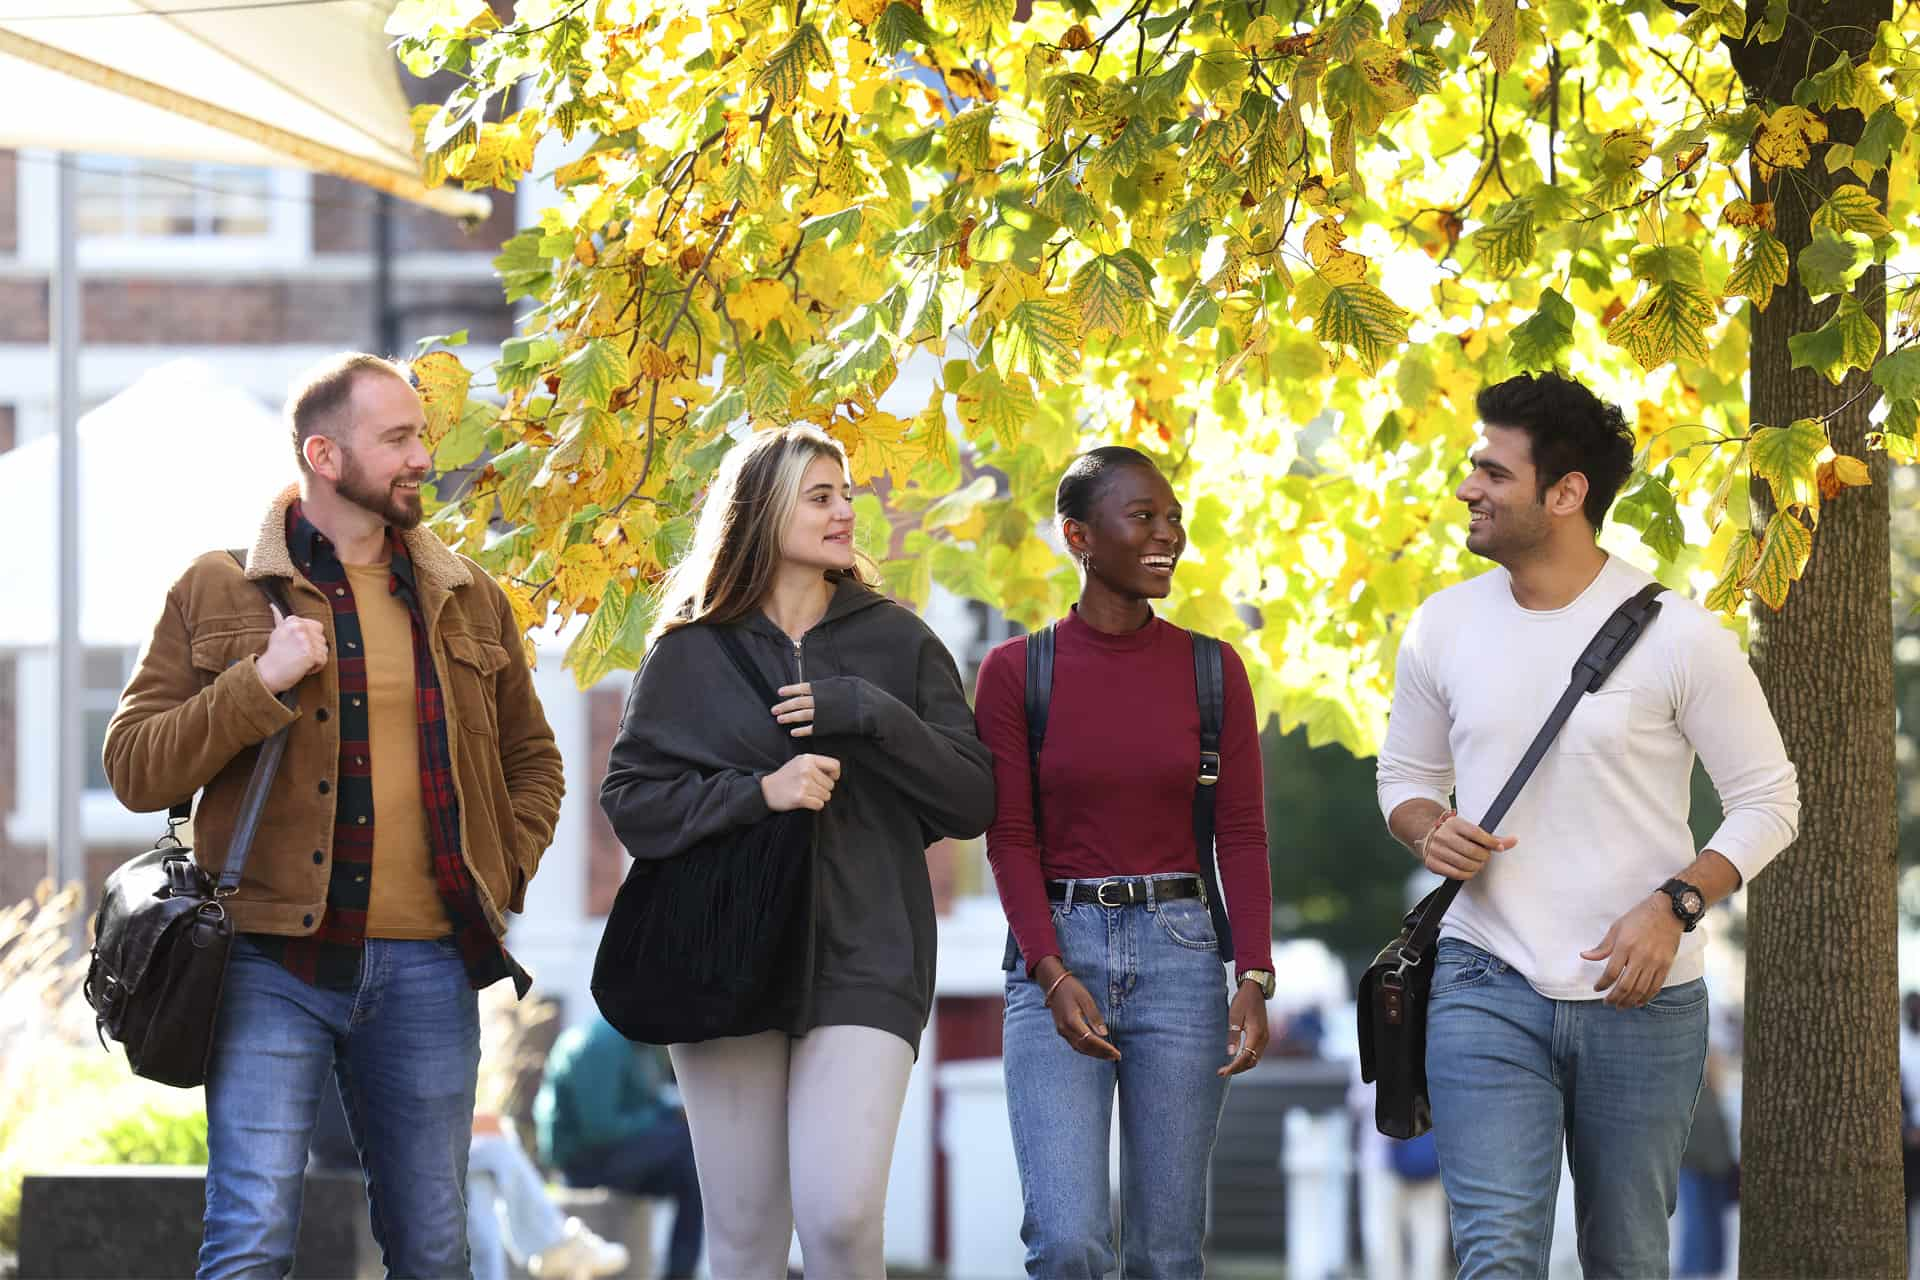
{"x":400,"y":509}
{"x":1511,"y":535}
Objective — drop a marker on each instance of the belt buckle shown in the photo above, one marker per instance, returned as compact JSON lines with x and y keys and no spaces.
{"x":1100,"y":893}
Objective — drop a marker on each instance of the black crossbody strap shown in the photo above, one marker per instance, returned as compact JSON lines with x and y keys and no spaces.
{"x":736,"y":651}
{"x":1039,"y":700}
{"x":1602,"y":654}
{"x":253,"y":801}
{"x":1210,"y":690}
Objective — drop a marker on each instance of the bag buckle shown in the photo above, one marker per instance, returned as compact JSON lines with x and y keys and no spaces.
{"x":1209,"y":768}
{"x":1100,"y":893}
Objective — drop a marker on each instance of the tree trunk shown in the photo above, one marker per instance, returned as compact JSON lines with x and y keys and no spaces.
{"x":1821,"y":1176}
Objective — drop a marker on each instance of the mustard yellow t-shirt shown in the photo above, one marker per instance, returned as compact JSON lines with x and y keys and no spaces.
{"x":404,"y":903}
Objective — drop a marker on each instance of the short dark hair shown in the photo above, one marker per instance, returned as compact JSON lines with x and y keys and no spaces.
{"x":1569,"y":429}
{"x":321,"y":392}
{"x":1087,"y":475}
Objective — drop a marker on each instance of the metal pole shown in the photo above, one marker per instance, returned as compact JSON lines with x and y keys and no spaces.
{"x":66,"y":849}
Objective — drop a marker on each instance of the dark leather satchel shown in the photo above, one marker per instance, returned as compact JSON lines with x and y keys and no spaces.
{"x":1395,"y":989}
{"x":162,"y":934}
{"x":718,"y":939}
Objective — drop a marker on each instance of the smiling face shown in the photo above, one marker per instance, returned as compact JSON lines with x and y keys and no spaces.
{"x":1133,"y":537}
{"x":377,"y":460}
{"x":1508,"y":514}
{"x":819,"y":533}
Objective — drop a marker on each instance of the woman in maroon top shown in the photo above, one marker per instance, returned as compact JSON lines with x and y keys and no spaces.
{"x":1119,"y":985}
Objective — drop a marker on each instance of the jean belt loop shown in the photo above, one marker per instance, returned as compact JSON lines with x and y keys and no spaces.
{"x":1066,"y":903}
{"x":1152,"y":903}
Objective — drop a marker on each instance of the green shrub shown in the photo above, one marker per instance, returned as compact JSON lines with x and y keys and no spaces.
{"x":151,"y":1135}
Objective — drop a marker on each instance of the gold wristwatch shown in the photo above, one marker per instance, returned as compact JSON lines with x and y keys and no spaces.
{"x":1264,"y":978}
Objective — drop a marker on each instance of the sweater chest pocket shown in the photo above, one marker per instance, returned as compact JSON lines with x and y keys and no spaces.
{"x":1599,"y":724}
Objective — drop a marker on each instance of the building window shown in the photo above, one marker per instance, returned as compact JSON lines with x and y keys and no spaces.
{"x":159,"y":199}
{"x":103,"y":676}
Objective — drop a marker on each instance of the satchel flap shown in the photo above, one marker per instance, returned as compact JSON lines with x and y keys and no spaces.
{"x":134,"y":917}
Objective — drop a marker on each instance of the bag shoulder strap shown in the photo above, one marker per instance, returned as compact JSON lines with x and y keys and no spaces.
{"x":1039,"y":701}
{"x":736,"y":651}
{"x":1603,"y":653}
{"x":253,"y":801}
{"x":1210,"y":692}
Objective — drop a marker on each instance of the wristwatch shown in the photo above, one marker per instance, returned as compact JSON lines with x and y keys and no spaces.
{"x":1689,"y":904}
{"x":1262,"y":977}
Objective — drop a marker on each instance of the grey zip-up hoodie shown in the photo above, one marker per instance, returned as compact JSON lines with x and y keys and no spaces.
{"x":888,"y":704}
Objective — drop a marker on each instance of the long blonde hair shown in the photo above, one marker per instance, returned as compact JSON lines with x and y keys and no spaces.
{"x":729,"y":569}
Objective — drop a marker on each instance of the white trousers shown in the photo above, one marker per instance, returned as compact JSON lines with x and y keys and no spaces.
{"x":795,"y":1134}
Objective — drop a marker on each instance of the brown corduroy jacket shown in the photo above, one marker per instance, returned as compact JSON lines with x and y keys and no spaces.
{"x":196,"y":711}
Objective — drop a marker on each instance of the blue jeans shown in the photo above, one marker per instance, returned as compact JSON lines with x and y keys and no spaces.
{"x":1156,"y":974}
{"x":657,"y":1162}
{"x":1512,"y":1074}
{"x":1704,"y":1201}
{"x":405,"y":1047}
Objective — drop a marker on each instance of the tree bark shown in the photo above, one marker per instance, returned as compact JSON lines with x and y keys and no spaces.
{"x":1821,"y":1169}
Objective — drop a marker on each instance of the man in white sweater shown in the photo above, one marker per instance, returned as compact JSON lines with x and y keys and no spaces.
{"x":1567,"y":1001}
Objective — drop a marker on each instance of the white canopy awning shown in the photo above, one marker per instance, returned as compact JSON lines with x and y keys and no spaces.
{"x":177,"y":464}
{"x":311,"y":84}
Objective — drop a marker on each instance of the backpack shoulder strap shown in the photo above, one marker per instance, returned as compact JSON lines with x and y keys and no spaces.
{"x":1209,"y":684}
{"x":1039,"y":698}
{"x":1209,"y":687}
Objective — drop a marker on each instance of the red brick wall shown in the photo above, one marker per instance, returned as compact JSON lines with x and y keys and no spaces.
{"x":132,"y":311}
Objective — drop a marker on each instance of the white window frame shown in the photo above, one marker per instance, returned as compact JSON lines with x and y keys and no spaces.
{"x":102,"y":819}
{"x":288,"y":241}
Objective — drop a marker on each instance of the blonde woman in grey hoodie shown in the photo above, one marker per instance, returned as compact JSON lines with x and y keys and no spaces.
{"x":795,"y":1127}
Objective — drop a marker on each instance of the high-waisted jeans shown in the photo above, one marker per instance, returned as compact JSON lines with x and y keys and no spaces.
{"x":1156,"y":973}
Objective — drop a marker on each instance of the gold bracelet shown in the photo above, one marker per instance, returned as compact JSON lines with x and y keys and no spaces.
{"x":1048,"y":998}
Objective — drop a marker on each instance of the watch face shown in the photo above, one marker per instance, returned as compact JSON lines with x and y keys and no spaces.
{"x":1692,"y":904}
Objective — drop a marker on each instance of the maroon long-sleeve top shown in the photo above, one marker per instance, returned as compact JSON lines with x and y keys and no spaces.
{"x":1118,"y":771}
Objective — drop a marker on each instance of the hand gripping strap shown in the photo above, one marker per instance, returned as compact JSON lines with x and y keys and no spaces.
{"x":1602,"y":654}
{"x":254,"y":800}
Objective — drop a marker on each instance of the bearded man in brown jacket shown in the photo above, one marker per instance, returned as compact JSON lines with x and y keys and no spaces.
{"x":419,"y":789}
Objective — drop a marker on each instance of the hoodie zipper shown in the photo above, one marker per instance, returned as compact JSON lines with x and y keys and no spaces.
{"x":799,"y":662}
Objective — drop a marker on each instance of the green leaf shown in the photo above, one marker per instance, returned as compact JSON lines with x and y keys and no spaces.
{"x":1669,"y":321}
{"x":1762,"y":268}
{"x":593,"y":373}
{"x":1040,"y":336}
{"x":1543,"y":340}
{"x":1358,"y":315}
{"x":603,"y":629}
{"x":458,"y":338}
{"x":1351,"y":26}
{"x":1356,"y":91}
{"x":898,"y":27}
{"x":1649,"y":507}
{"x":1851,"y":208}
{"x":1848,"y":340}
{"x":1002,"y":407}
{"x":836,"y":229}
{"x":1898,"y":374}
{"x":1110,"y":292}
{"x":1162,"y":94}
{"x":977,"y":19}
{"x":1828,"y":263}
{"x":779,"y":153}
{"x":1506,"y":242}
{"x":783,"y":76}
{"x":1787,"y":458}
{"x":467,"y":439}
{"x":770,"y":389}
{"x":1125,"y":150}
{"x":970,"y":139}
{"x":738,"y":183}
{"x":1198,"y":310}
{"x":1665,"y":264}
{"x":1882,"y":139}
{"x":1772,"y":24}
{"x":1782,"y":557}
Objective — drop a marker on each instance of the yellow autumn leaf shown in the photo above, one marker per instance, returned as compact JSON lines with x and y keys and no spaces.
{"x":1785,"y":139}
{"x":759,"y":302}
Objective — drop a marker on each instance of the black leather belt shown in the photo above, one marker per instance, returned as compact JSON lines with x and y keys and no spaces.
{"x":1127,"y":892}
